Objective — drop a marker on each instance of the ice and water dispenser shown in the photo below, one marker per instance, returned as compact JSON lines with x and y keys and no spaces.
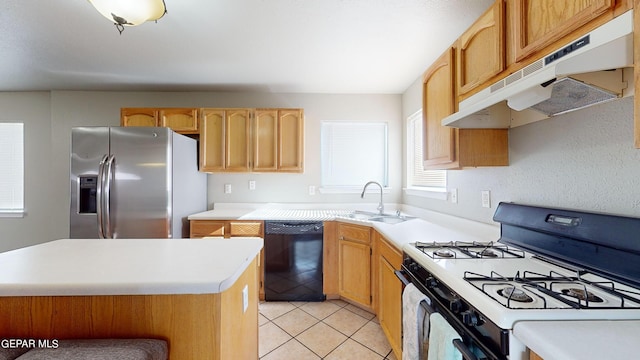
{"x":87,"y":197}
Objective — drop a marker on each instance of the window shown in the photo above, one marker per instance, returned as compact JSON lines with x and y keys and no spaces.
{"x":352,"y":154}
{"x":11,"y":169}
{"x":418,"y":179}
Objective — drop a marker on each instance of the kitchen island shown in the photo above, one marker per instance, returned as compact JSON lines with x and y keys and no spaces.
{"x":199,"y":295}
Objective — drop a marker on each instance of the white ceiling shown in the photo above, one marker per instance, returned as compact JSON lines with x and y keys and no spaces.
{"x":300,"y":46}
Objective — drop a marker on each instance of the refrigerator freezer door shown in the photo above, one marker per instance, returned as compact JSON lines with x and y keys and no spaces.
{"x":140,"y":193}
{"x":88,"y":146}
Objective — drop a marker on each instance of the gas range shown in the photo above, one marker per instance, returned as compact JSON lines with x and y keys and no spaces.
{"x":549,"y":264}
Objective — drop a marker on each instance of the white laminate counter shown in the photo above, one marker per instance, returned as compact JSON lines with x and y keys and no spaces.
{"x":126,"y":266}
{"x":580,"y":340}
{"x":429,"y":226}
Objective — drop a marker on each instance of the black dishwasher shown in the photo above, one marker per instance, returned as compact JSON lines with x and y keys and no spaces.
{"x":293,"y":261}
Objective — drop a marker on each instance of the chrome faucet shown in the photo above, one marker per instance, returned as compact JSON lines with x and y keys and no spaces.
{"x":380,"y":207}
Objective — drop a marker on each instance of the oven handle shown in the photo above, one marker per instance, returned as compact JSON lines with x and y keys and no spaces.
{"x":400,"y":275}
{"x":464,"y":350}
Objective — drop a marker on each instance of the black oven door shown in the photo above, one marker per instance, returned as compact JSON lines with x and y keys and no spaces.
{"x":473,"y":344}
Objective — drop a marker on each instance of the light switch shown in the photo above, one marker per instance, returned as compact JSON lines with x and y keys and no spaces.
{"x":486,"y":198}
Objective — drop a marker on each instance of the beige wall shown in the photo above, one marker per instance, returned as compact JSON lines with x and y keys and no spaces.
{"x":582,"y":160}
{"x":33,"y":109}
{"x":50,"y":116}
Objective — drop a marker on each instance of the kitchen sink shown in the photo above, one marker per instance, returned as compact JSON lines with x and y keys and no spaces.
{"x":362,"y":215}
{"x":373,"y":216}
{"x":392,"y":219}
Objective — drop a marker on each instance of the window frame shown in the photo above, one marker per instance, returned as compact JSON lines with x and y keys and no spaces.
{"x":15,"y":205}
{"x":436,"y":192}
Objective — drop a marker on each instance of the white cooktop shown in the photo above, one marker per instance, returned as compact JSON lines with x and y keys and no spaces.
{"x":451,"y":272}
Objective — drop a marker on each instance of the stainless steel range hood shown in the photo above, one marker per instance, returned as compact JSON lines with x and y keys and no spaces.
{"x":588,"y":71}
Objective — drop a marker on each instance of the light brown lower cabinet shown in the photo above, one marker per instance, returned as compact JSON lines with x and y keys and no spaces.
{"x":226,"y":228}
{"x":330,"y":271}
{"x":229,"y":229}
{"x":389,"y":293}
{"x":534,"y":356}
{"x":354,"y":263}
{"x":365,"y":274}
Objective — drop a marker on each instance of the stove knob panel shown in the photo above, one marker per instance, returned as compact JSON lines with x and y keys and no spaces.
{"x":431,"y":282}
{"x":471,"y":318}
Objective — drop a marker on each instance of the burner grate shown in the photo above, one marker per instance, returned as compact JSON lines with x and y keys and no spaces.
{"x":566,"y":291}
{"x":469,"y":250}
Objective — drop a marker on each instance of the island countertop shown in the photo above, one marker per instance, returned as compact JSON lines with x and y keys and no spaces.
{"x":126,"y":266}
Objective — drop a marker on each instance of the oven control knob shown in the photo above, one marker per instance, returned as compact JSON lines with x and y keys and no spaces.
{"x":455,"y":305}
{"x":413,"y":267}
{"x":431,"y":282}
{"x":471,"y":318}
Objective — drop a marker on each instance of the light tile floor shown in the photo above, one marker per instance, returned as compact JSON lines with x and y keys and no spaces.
{"x":332,"y":329}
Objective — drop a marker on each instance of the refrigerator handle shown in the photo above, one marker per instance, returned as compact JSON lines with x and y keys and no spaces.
{"x":107,"y":196}
{"x":99,"y":197}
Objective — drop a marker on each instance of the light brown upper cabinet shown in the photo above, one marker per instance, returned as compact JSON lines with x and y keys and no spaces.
{"x":481,"y":49}
{"x":139,"y":117}
{"x":225,"y":140}
{"x":450,"y":148}
{"x":180,"y":120}
{"x":438,"y":96}
{"x":538,"y":23}
{"x":278,"y":140}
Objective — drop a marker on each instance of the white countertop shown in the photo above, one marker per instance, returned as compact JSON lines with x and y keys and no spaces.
{"x":126,"y":266}
{"x":269,"y":213}
{"x":580,"y":340}
{"x":428,"y":227}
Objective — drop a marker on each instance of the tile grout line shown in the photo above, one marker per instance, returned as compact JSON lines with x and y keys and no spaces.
{"x":354,"y":340}
{"x":340,"y":307}
{"x":316,"y":323}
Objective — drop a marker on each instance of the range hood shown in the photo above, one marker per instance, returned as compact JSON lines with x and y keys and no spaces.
{"x":588,"y":71}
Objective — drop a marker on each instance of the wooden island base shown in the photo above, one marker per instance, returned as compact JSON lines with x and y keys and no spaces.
{"x":201,"y":326}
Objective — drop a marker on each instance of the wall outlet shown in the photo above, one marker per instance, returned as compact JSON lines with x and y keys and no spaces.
{"x":245,"y":298}
{"x":486,"y":198}
{"x":454,"y":196}
{"x":252,"y":184}
{"x":312,"y":190}
{"x":227,"y":188}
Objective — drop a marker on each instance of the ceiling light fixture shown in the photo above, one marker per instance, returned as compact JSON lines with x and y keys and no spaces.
{"x":130,"y":12}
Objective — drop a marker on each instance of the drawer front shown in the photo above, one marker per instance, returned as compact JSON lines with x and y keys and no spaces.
{"x":390,"y":252}
{"x":356,"y":233}
{"x":202,"y":228}
{"x":246,"y":228}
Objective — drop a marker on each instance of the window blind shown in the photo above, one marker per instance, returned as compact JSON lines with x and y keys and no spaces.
{"x":417,"y":176}
{"x":11,"y":167}
{"x":353,"y":153}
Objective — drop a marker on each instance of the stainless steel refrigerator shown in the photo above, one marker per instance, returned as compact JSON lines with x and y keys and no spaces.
{"x":133,"y":182}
